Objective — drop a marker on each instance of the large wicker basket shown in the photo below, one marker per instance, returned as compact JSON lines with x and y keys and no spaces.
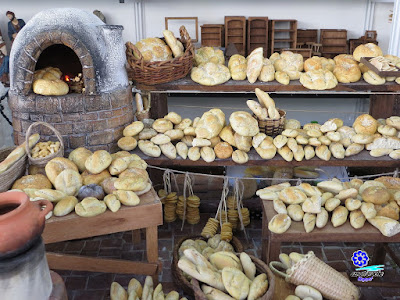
{"x":180,"y":280}
{"x":157,"y":72}
{"x":272,"y":127}
{"x":314,"y":272}
{"x":14,"y":172}
{"x":261,"y":268}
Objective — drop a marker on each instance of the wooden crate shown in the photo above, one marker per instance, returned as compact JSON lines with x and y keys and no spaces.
{"x":212,"y":35}
{"x":257,"y":33}
{"x":282,"y":35}
{"x":235,"y":32}
{"x":305,"y":36}
{"x":334,"y":42}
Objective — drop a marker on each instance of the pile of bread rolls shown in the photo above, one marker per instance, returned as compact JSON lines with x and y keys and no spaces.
{"x":224,"y":274}
{"x":89,"y":183}
{"x":319,"y":73}
{"x":376,"y":201}
{"x":137,"y":292}
{"x":209,"y":137}
{"x":43,"y":149}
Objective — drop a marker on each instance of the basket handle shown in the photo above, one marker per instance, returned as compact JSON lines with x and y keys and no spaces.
{"x":29,"y":131}
{"x":186,"y":37}
{"x":273,"y":266}
{"x":133,"y":53}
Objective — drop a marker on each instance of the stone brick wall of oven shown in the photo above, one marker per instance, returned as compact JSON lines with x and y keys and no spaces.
{"x":91,"y":121}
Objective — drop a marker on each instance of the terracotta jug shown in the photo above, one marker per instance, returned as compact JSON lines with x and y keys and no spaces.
{"x":21,"y":220}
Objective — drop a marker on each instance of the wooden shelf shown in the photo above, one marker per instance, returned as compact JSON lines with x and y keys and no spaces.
{"x":283,"y":30}
{"x":362,"y":159}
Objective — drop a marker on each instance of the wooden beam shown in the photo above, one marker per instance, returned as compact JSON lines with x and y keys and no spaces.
{"x":94,"y":264}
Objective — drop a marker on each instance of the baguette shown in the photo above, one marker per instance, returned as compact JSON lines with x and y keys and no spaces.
{"x":17,"y":153}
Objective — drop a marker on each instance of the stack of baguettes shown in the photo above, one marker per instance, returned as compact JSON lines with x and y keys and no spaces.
{"x":376,"y":201}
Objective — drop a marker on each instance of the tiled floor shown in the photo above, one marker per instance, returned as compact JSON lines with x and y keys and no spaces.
{"x":88,"y":286}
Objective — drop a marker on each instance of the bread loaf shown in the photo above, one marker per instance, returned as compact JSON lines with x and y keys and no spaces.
{"x":37,"y":181}
{"x":267,"y":71}
{"x":339,"y":216}
{"x":254,"y":64}
{"x":210,"y":124}
{"x":127,"y":198}
{"x":225,"y":259}
{"x":291,"y":63}
{"x":243,"y":123}
{"x":65,"y":206}
{"x":373,"y":78}
{"x":56,"y":166}
{"x":133,"y":129}
{"x":79,"y":156}
{"x":240,"y":157}
{"x":388,"y":227}
{"x":175,"y":45}
{"x":347,"y":72}
{"x":309,"y":221}
{"x":149,"y":148}
{"x":367,"y":50}
{"x":210,"y":74}
{"x":258,"y":287}
{"x":223,"y":150}
{"x":209,"y":54}
{"x":322,"y":218}
{"x":68,"y":181}
{"x":318,"y":80}
{"x":214,"y":294}
{"x":237,"y":66}
{"x":98,"y":161}
{"x":154,"y":49}
{"x":90,"y":207}
{"x":279,"y":223}
{"x":282,"y":77}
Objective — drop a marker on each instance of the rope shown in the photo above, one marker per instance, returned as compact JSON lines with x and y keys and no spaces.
{"x":187,"y":186}
{"x":2,"y":108}
{"x":265,"y":178}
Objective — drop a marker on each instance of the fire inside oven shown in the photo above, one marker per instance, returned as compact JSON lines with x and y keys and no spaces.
{"x":64,"y":58}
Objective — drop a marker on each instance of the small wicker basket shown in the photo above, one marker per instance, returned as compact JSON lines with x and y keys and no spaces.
{"x":17,"y":170}
{"x":261,"y":268}
{"x":314,"y":272}
{"x":272,"y":127}
{"x":41,"y":162}
{"x":179,"y":279}
{"x":157,"y":72}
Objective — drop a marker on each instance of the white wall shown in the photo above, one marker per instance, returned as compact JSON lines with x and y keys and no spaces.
{"x":382,"y":25}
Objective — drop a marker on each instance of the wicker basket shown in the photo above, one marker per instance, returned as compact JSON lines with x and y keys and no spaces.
{"x":272,"y":127}
{"x":17,"y":170}
{"x":41,"y":162}
{"x":261,"y":268}
{"x":157,"y":72}
{"x":314,"y":272}
{"x":180,"y":280}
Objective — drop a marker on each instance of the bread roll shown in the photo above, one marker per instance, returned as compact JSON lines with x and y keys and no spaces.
{"x":318,"y":80}
{"x":79,"y":156}
{"x":185,"y":123}
{"x":168,"y":150}
{"x":237,"y":66}
{"x":352,"y":204}
{"x":68,"y":181}
{"x":149,"y":148}
{"x":395,"y":154}
{"x":279,"y":206}
{"x":286,"y":153}
{"x":323,"y":152}
{"x":188,"y":131}
{"x":322,"y":218}
{"x":325,"y":197}
{"x":330,"y":186}
{"x":135,"y":184}
{"x":306,"y":291}
{"x":375,"y":195}
{"x":268,"y":153}
{"x":65,"y":206}
{"x":339,"y":216}
{"x":292,"y":195}
{"x":282,"y":77}
{"x":332,"y":203}
{"x":291,"y":63}
{"x":48,"y":194}
{"x":312,"y":205}
{"x":56,"y":166}
{"x":127,"y":198}
{"x":175,"y":45}
{"x":347,"y":72}
{"x":267,"y":71}
{"x":90,"y":207}
{"x":309,"y":152}
{"x":368,"y":209}
{"x":37,"y":181}
{"x":367,"y":50}
{"x":209,"y":54}
{"x":254,"y":64}
{"x":243,"y":123}
{"x":295,"y":212}
{"x":280,"y":141}
{"x":210,"y":74}
{"x":309,"y":221}
{"x":373,"y":78}
{"x":162,"y":125}
{"x":194,"y":153}
{"x":240,"y":157}
{"x":257,"y":109}
{"x":223,"y":150}
{"x":182,"y":149}
{"x":98,"y":161}
{"x":112,"y":203}
{"x":258,"y":287}
{"x":388,"y":227}
{"x":317,"y":63}
{"x":214,"y":294}
{"x":207,"y":154}
{"x":117,"y":292}
{"x":279,"y":223}
{"x":225,"y":259}
{"x":390,"y":210}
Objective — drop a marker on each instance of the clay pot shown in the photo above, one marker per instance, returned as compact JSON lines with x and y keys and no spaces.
{"x":21,"y":220}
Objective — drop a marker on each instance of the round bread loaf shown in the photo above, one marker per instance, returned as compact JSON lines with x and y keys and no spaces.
{"x":317,"y":63}
{"x":162,"y":125}
{"x":98,"y":161}
{"x":291,"y":63}
{"x":320,"y":79}
{"x":267,"y":71}
{"x":367,"y":50}
{"x":347,"y":72}
{"x":56,"y":166}
{"x":95,"y":178}
{"x":210,"y":124}
{"x":341,"y":58}
{"x":243,"y":123}
{"x":210,"y":74}
{"x":68,"y":181}
{"x":223,"y":150}
{"x":237,"y":66}
{"x":37,"y":181}
{"x":127,"y":143}
{"x":55,"y":87}
{"x":91,"y":190}
{"x":365,"y":124}
{"x":375,"y":195}
{"x":209,"y":54}
{"x":240,"y":157}
{"x":154,"y":49}
{"x":79,"y":156}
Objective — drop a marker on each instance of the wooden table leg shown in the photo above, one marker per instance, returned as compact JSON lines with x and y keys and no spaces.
{"x":379,"y":254}
{"x":136,"y":237}
{"x":152,"y":248}
{"x":274,"y":249}
{"x":159,"y":105}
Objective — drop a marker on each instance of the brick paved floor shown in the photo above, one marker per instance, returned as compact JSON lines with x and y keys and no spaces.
{"x":88,"y":286}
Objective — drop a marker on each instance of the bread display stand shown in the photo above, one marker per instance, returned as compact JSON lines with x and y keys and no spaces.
{"x":147,"y":215}
{"x":271,"y":242}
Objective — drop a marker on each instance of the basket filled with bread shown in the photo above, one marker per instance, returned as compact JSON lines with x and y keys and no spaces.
{"x":313,"y":277}
{"x":203,"y":246}
{"x":155,"y":60}
{"x":43,"y":152}
{"x":222,"y":274}
{"x":271,"y":120}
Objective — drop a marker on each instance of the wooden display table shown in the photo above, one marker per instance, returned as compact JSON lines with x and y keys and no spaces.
{"x":362,"y":159}
{"x":148,"y":215}
{"x":271,"y":243}
{"x":384,"y":99}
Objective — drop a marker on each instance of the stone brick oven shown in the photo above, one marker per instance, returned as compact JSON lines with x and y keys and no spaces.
{"x":94,"y":119}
